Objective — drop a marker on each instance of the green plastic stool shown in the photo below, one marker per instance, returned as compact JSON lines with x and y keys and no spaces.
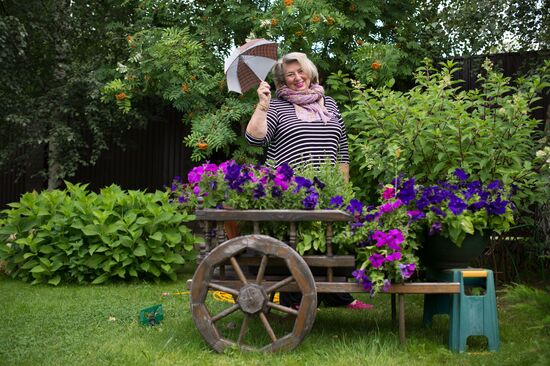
{"x":469,"y":315}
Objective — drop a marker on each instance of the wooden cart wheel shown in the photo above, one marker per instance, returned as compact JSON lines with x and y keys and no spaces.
{"x":253,"y":296}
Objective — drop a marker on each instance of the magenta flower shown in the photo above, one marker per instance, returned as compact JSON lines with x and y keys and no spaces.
{"x":196,"y":190}
{"x":281,"y":181}
{"x":210,"y":167}
{"x":395,"y":256}
{"x":379,"y":237}
{"x":195,"y":175}
{"x":389,"y":192}
{"x":387,"y":285}
{"x":407,"y":270}
{"x":394,"y":239}
{"x":377,"y":260}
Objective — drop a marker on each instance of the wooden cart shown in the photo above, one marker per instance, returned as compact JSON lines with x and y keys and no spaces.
{"x":252,"y":268}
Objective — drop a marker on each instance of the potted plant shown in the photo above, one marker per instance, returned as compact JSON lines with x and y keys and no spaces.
{"x":458,"y":215}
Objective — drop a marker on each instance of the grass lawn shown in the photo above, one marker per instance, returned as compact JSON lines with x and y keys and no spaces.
{"x":98,"y":325}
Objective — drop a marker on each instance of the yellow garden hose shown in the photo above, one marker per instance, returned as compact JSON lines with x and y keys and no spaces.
{"x":218,"y":296}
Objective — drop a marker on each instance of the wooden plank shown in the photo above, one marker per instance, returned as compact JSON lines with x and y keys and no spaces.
{"x":273,"y":215}
{"x":311,"y":260}
{"x":341,"y":287}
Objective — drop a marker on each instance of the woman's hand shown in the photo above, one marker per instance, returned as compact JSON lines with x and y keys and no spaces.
{"x":264,"y":93}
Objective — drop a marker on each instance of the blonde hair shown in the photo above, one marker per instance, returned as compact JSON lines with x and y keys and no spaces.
{"x":309,"y":68}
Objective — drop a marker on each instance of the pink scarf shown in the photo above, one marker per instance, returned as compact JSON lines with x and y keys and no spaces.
{"x":307,"y":103}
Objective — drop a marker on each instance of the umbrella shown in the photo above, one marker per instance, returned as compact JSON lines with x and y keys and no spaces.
{"x":249,"y":64}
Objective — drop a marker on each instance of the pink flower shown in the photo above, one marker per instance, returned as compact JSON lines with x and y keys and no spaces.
{"x":210,"y":167}
{"x":280,"y":180}
{"x":195,"y":175}
{"x":196,"y":190}
{"x":395,"y":256}
{"x":389,"y":192}
{"x":395,"y":238}
{"x":379,"y":237}
{"x":377,"y":260}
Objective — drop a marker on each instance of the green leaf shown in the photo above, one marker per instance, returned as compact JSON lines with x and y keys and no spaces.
{"x":38,"y":269}
{"x":140,"y":251}
{"x":90,"y":230}
{"x":467,"y":225}
{"x":100,"y":279}
{"x":55,"y":280}
{"x":156,"y":236}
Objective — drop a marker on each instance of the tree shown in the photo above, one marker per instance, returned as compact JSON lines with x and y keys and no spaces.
{"x":471,"y":27}
{"x":53,"y":64}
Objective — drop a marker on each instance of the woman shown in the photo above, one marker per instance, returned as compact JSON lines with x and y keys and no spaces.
{"x":301,"y":126}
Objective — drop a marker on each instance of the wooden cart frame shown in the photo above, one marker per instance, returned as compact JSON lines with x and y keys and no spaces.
{"x":223,"y":266}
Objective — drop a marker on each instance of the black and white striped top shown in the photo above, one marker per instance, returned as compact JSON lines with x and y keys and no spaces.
{"x":296,"y":142}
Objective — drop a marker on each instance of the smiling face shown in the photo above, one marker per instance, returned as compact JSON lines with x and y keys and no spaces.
{"x":295,"y":76}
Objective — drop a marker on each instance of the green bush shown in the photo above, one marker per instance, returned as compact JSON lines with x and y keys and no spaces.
{"x":437,"y":127}
{"x":74,"y":235}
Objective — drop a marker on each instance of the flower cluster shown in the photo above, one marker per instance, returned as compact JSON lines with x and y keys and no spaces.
{"x":385,"y":239}
{"x":249,"y":187}
{"x":460,"y":206}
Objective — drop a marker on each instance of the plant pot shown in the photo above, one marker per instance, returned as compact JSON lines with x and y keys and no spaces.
{"x":439,"y":252}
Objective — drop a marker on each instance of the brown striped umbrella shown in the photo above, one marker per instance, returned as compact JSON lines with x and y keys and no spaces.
{"x":249,"y":64}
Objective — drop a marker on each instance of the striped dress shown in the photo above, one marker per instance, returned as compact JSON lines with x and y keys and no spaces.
{"x":296,"y":142}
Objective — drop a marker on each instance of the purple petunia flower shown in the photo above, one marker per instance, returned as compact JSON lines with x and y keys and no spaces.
{"x":276,"y":192}
{"x":497,"y":207}
{"x":476,"y":206}
{"x":318,"y":183}
{"x":311,"y":200}
{"x":355,"y":207}
{"x":438,"y":211}
{"x":496,"y":184}
{"x":407,"y":192}
{"x":174,"y":187}
{"x":302,"y":182}
{"x":285,"y":170}
{"x":177,"y":178}
{"x":456,"y":205}
{"x":416,"y":215}
{"x":379,"y":237}
{"x":258,"y":192}
{"x":196,"y":190}
{"x":359,"y":274}
{"x":182,"y":199}
{"x":336,"y":201}
{"x":407,"y":270}
{"x":435,"y":228}
{"x":281,"y":181}
{"x":387,"y":285}
{"x":377,"y":260}
{"x":461,"y":174}
{"x":195,"y":175}
{"x":209,"y":167}
{"x":395,"y":256}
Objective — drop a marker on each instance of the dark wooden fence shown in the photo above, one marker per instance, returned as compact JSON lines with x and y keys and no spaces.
{"x":153,"y":156}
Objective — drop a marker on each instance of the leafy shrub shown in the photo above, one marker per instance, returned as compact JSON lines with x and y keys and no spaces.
{"x":436,"y":127}
{"x":76,"y":235}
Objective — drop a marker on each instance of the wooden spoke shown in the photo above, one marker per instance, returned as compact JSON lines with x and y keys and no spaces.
{"x":279,"y":284}
{"x":229,"y":290}
{"x":282,"y":308}
{"x":244,"y":328}
{"x":267,"y":327}
{"x":238,"y":270}
{"x":225,"y":313}
{"x":261,"y":270}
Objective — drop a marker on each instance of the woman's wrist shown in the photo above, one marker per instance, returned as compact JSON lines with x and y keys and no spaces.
{"x":263,"y":107}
